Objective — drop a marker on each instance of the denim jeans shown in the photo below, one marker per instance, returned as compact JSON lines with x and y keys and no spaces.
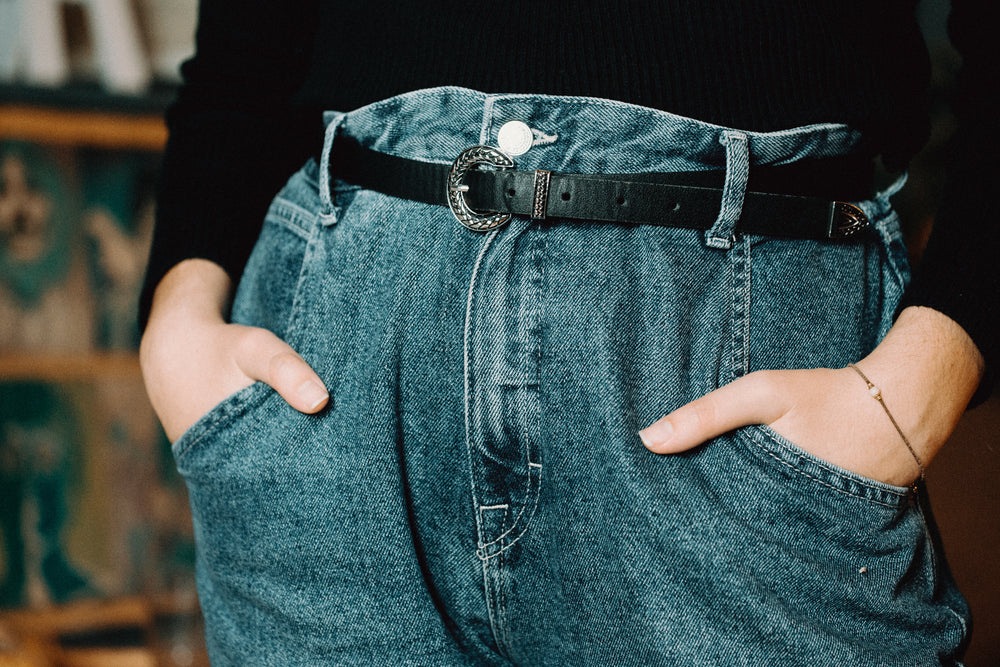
{"x":476,"y":494}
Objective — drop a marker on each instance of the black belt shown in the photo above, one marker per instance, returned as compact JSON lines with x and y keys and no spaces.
{"x":783,"y":201}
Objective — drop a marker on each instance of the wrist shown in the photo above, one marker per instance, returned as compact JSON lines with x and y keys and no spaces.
{"x":196,"y":289}
{"x":928,"y":369}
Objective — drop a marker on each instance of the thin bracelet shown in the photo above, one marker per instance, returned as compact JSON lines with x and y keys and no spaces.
{"x":876,"y":393}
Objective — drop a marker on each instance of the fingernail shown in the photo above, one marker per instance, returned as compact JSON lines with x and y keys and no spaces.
{"x":656,"y":434}
{"x":313,"y":393}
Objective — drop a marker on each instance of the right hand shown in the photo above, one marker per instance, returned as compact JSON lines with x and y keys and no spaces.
{"x":192,"y":359}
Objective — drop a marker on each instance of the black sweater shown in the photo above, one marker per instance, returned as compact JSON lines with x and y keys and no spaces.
{"x":248,"y":113}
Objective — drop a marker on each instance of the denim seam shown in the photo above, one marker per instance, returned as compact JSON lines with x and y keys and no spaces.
{"x":533,"y":477}
{"x":935,"y":567}
{"x":467,"y":374}
{"x":502,"y":593}
{"x":294,"y":318}
{"x":226,"y":411}
{"x":496,"y":602}
{"x":747,"y":285}
{"x":829,"y":470}
{"x":533,"y":474}
{"x":739,"y":316}
{"x":292,"y":217}
{"x":534,"y":488}
{"x":489,"y":588}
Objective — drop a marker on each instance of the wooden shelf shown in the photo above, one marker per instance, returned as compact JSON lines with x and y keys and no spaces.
{"x":102,"y":129}
{"x":56,"y":367}
{"x":84,"y":115}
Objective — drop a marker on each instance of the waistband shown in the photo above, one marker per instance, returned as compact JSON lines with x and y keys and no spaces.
{"x":574,"y":134}
{"x":591,"y":135}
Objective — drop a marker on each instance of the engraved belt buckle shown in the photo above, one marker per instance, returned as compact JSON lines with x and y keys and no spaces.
{"x":846,"y":220}
{"x":468,"y":159}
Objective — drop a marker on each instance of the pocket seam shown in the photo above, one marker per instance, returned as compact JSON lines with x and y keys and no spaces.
{"x":219,"y":415}
{"x":291,"y":216}
{"x":856,"y":479}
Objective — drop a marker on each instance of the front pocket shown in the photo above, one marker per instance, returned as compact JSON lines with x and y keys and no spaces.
{"x":266,"y":297}
{"x":218,"y":418}
{"x":802,"y":469}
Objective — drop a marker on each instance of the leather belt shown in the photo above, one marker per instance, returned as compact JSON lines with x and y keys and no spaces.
{"x":485,"y":199}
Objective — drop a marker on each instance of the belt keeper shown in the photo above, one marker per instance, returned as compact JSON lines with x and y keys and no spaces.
{"x":540,"y":202}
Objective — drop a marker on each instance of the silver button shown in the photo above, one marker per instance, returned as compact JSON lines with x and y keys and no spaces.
{"x":515,"y":138}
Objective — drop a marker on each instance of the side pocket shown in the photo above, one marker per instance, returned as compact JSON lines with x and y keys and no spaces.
{"x":265,"y":297}
{"x":216,"y":419}
{"x":816,"y":304}
{"x":798,"y":467}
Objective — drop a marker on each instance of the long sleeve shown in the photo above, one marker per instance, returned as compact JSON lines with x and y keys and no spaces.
{"x":235,"y":133}
{"x":958,"y":274}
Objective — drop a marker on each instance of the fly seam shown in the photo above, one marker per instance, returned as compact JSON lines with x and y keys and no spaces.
{"x":534,"y":508}
{"x":531,"y":488}
{"x":467,"y":377}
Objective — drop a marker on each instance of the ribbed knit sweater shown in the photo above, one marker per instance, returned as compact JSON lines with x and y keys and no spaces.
{"x":248,"y":113}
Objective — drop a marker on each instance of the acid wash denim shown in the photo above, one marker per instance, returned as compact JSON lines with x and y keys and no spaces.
{"x":477,"y":494}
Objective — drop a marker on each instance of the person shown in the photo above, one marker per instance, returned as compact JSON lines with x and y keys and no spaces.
{"x":413,"y":442}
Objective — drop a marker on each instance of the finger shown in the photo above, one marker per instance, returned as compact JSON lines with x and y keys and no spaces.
{"x":752,"y":399}
{"x":263,"y":356}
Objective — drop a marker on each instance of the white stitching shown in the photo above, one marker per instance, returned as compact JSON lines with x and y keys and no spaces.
{"x":490,"y":607}
{"x":833,"y":471}
{"x":494,"y":507}
{"x":467,"y":382}
{"x":292,"y":217}
{"x":533,"y":489}
{"x":536,"y":487}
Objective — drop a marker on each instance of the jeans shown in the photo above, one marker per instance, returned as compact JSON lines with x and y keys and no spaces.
{"x":476,"y":494}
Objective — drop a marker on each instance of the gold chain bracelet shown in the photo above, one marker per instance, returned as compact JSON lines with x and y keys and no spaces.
{"x":876,"y":393}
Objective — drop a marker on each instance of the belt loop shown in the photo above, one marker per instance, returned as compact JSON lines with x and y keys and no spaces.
{"x":893,"y":189}
{"x":334,"y":121}
{"x":733,"y":190}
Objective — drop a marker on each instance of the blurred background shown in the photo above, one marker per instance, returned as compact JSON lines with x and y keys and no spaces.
{"x":96,"y":547}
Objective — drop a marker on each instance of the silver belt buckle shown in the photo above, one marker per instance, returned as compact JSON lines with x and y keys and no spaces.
{"x":468,"y":159}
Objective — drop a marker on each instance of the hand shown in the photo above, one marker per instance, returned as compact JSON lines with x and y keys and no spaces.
{"x":192,"y":359}
{"x":927,"y":368}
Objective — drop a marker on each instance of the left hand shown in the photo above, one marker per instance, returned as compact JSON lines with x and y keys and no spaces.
{"x":927,"y":368}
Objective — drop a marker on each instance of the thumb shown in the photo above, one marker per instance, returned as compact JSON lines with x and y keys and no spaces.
{"x":263,"y":356}
{"x":751,"y":399}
